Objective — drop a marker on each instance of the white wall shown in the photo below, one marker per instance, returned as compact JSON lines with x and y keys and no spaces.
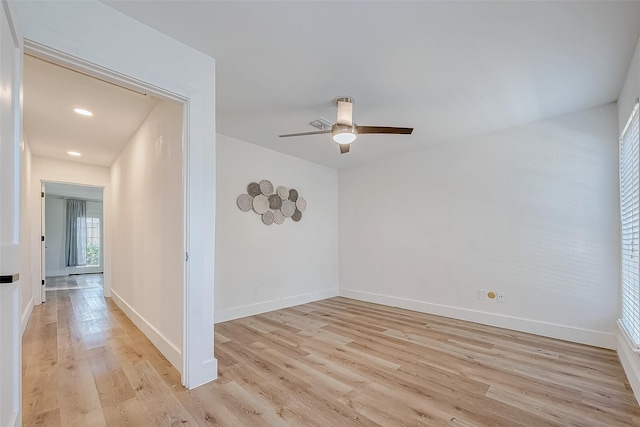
{"x":148,"y":229}
{"x":26,"y":204}
{"x":46,"y":169}
{"x":630,"y":91}
{"x":261,"y":268}
{"x":530,"y":212}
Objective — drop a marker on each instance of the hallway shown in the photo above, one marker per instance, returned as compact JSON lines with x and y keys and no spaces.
{"x":86,"y":364}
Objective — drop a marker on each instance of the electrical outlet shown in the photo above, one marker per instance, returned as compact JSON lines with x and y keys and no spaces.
{"x":500,"y":296}
{"x":482,"y":294}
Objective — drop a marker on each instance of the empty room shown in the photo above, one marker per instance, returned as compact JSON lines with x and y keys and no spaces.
{"x":364,"y":213}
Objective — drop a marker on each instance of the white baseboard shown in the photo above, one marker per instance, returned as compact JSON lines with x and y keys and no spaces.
{"x":630,"y":361}
{"x":275,"y":304}
{"x":75,"y":270}
{"x":85,"y":270}
{"x":15,"y":420}
{"x":26,"y":315}
{"x":208,"y":369}
{"x":567,"y":333}
{"x":172,"y":352}
{"x":58,"y":273}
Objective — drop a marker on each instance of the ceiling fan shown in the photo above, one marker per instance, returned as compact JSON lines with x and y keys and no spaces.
{"x":344,"y":131}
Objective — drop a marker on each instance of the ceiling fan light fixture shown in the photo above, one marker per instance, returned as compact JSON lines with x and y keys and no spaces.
{"x":83,"y":112}
{"x":343,"y":134}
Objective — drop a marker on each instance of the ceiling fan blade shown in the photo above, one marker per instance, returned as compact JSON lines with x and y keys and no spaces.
{"x":383,"y":129}
{"x":345,"y":112}
{"x":318,"y":132}
{"x":344,"y":148}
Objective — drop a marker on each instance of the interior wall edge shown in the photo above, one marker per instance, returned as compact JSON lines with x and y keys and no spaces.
{"x":630,"y":362}
{"x":275,"y":304}
{"x":550,"y":330}
{"x":168,"y":349}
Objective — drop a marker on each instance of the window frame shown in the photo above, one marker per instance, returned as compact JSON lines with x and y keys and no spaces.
{"x":629,"y":175}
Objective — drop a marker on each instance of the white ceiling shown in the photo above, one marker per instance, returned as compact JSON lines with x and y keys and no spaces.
{"x":448,"y":69}
{"x":51,"y":126}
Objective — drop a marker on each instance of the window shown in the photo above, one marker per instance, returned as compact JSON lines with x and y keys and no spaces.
{"x":84,"y":235}
{"x":630,"y":232}
{"x":93,"y":241}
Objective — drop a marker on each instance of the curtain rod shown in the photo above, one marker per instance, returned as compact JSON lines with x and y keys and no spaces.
{"x":74,"y":198}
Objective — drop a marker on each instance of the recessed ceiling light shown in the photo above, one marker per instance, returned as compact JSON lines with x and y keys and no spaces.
{"x":83,"y":112}
{"x":74,"y":153}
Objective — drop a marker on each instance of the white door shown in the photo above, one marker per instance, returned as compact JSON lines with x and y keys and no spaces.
{"x":10,"y":136}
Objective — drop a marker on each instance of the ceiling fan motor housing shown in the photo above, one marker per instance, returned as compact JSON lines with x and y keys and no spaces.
{"x":343,"y":134}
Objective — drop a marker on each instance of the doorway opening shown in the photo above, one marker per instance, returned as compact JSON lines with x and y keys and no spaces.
{"x":137,"y":238}
{"x":65,"y":233}
{"x":83,"y":39}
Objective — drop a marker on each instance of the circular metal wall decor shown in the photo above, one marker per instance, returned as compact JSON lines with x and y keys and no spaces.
{"x":267,"y":217}
{"x":283,"y":192}
{"x":245,"y":202}
{"x":253,"y":189}
{"x":288,"y":208}
{"x":273,"y":204}
{"x":260,"y":204}
{"x":301,"y":204}
{"x":278,"y":218}
{"x":266,"y":187}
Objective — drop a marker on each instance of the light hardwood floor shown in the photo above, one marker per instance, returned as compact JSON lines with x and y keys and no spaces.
{"x":336,"y":362}
{"x":76,"y":281}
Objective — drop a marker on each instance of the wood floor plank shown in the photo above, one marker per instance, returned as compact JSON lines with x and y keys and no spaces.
{"x":128,"y":413}
{"x":40,"y":391}
{"x":155,"y":396}
{"x":48,"y":419}
{"x":335,"y":362}
{"x":111,"y":382}
{"x":79,"y":402}
{"x":206,"y":409}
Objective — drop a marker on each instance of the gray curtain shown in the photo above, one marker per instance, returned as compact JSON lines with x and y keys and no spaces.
{"x":76,"y":240}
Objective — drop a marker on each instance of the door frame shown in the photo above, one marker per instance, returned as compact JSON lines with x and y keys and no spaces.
{"x":137,"y":56}
{"x":43,"y":253}
{"x":95,"y":71}
{"x":43,"y":242}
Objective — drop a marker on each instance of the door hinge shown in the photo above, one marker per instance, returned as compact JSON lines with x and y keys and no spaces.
{"x":42,"y":238}
{"x":43,"y":283}
{"x":186,"y":256}
{"x":42,"y":194}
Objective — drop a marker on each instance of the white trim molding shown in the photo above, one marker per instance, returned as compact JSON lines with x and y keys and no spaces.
{"x":630,"y":360}
{"x":274,"y":304}
{"x":567,"y":333}
{"x":167,"y":348}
